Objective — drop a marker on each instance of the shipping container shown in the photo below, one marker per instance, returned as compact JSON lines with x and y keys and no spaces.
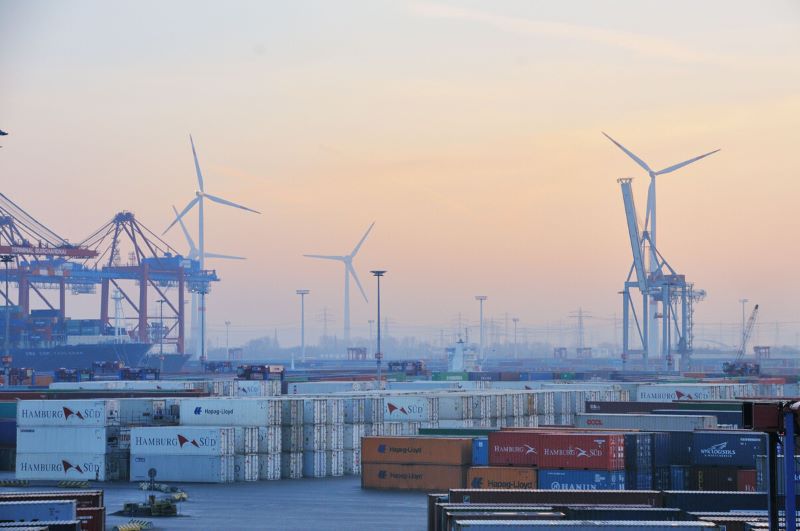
{"x":29,"y":511}
{"x":713,"y":478}
{"x":762,"y":481}
{"x":416,"y":450}
{"x":69,"y":466}
{"x":230,"y":411}
{"x":585,"y":525}
{"x":48,"y":525}
{"x":184,"y":468}
{"x":645,"y":422}
{"x":83,"y":498}
{"x":8,"y":432}
{"x":581,"y":479}
{"x":270,"y":439}
{"x":269,"y":467}
{"x":182,"y":440}
{"x":412,"y":477}
{"x":690,"y":500}
{"x":557,"y":449}
{"x":86,"y":413}
{"x":625,"y":513}
{"x":47,"y":439}
{"x":291,"y":465}
{"x":728,"y":448}
{"x":501,"y":477}
{"x":746,"y":480}
{"x":92,"y":518}
{"x":409,"y":408}
{"x":561,"y":497}
{"x":671,"y":392}
{"x":731,"y":419}
{"x":245,"y":467}
{"x":246,"y":438}
{"x":480,"y":451}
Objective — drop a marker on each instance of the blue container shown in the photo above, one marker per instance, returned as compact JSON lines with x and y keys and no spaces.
{"x":638,"y":479}
{"x":662,"y":478}
{"x":581,"y":479}
{"x":8,"y":433}
{"x":540,"y":376}
{"x":672,"y":448}
{"x":484,"y":376}
{"x":680,"y":477}
{"x":728,"y":448}
{"x":480,"y":451}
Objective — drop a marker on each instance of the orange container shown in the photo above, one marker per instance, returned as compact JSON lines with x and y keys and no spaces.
{"x":501,"y":477}
{"x":417,"y":450}
{"x":430,"y":478}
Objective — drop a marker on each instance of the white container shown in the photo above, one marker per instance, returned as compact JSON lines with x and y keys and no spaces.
{"x":252,"y":388}
{"x":315,"y":411}
{"x":335,"y":410}
{"x":182,"y":440}
{"x":48,"y":439}
{"x":355,"y":410}
{"x":291,"y":411}
{"x":291,"y":465}
{"x":230,"y":412}
{"x":246,"y":439}
{"x":63,"y":465}
{"x":334,"y":435}
{"x":184,"y":468}
{"x":270,"y":439}
{"x":407,"y":408}
{"x":645,"y":422}
{"x":88,"y":413}
{"x":351,"y":462}
{"x":30,"y":512}
{"x":269,"y":467}
{"x":670,"y":392}
{"x":246,"y":467}
{"x":334,"y":463}
{"x":315,"y":437}
{"x":315,"y":464}
{"x":352,"y":434}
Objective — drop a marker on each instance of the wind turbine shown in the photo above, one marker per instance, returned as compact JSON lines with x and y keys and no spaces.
{"x":650,"y":228}
{"x":347,"y":260}
{"x":194,"y":254}
{"x":199,"y":200}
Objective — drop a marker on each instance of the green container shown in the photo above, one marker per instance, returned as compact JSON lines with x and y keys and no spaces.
{"x":458,"y":432}
{"x":8,"y":410}
{"x":450,"y":376}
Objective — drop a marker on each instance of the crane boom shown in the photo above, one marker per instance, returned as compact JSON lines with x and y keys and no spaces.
{"x":738,"y":367}
{"x":633,"y":232}
{"x":748,"y":331}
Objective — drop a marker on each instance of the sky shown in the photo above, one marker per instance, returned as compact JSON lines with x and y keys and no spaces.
{"x":470,"y":132}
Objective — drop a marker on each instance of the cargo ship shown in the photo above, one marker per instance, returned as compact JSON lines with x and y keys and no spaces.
{"x":44,"y":341}
{"x":172,"y":362}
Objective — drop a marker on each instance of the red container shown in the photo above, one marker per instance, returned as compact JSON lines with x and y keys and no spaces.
{"x":557,"y":449}
{"x":746,"y":480}
{"x":519,"y":448}
{"x":92,"y":518}
{"x":581,"y":451}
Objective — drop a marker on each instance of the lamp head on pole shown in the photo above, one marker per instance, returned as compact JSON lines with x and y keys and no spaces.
{"x":378,"y":273}
{"x":303,"y":291}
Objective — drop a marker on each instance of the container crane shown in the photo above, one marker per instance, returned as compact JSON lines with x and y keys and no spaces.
{"x":738,"y":367}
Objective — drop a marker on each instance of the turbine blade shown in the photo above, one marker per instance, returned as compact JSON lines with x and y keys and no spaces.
{"x":183,"y":213}
{"x":189,"y":240}
{"x":196,"y":165}
{"x":358,"y":282}
{"x":229,"y":203}
{"x":638,"y":161}
{"x":224,"y":256}
{"x":325,"y":257}
{"x":684,"y":163}
{"x":362,"y":240}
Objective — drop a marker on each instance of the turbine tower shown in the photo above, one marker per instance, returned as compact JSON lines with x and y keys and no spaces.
{"x":194,"y":254}
{"x":653,"y":343}
{"x":347,"y":260}
{"x":199,"y":200}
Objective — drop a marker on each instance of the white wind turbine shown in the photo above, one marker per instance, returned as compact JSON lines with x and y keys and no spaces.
{"x":194,"y":254}
{"x":199,"y":200}
{"x":654,"y":344}
{"x":347,"y":260}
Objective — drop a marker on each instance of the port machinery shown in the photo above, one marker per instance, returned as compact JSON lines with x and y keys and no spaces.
{"x":42,"y":260}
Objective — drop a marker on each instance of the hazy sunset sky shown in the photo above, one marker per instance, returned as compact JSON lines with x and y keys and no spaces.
{"x":469,"y":131}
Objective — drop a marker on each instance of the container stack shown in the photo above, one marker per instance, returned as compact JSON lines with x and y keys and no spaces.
{"x":315,"y":437}
{"x":246,"y":461}
{"x":196,"y":454}
{"x":334,"y":453}
{"x":725,"y":460}
{"x":415,"y":463}
{"x":69,"y":439}
{"x":290,"y":451}
{"x":8,"y":434}
{"x":355,"y":427}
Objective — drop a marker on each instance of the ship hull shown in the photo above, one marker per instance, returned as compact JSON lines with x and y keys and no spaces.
{"x":78,"y":356}
{"x":172,"y":362}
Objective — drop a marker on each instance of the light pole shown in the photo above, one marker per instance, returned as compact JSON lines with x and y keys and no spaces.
{"x":7,"y":259}
{"x":516,"y":320}
{"x":743,"y":302}
{"x":378,"y":355}
{"x":161,"y":334}
{"x":481,"y":299}
{"x":302,"y":293}
{"x":371,"y":322}
{"x":228,"y":340}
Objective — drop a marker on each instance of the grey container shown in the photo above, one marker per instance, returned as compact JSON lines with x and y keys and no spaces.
{"x":645,"y":422}
{"x":580,"y":525}
{"x":28,"y":511}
